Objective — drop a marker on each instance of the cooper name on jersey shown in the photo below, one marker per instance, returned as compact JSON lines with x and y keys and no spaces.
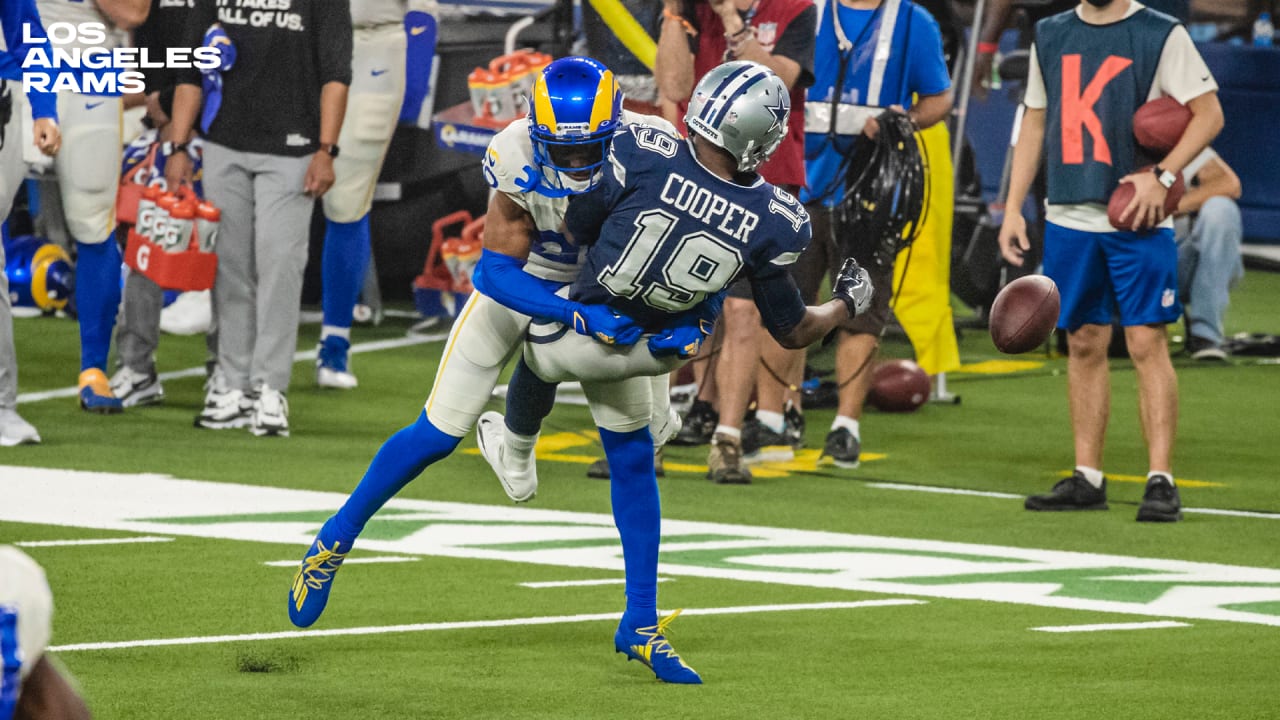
{"x":700,"y":203}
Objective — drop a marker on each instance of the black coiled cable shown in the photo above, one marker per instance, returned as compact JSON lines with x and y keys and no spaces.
{"x":886,"y":190}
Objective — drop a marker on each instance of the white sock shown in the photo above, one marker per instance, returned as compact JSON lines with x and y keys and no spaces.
{"x":733,"y":432}
{"x":1168,"y":475}
{"x":772,"y":420}
{"x":1093,"y":475}
{"x":848,"y":423}
{"x":517,"y":450}
{"x":327,"y":330}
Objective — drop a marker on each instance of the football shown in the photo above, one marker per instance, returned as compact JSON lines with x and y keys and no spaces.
{"x":898,"y":386}
{"x":1123,"y":194}
{"x":1024,"y":314}
{"x":1158,"y":125}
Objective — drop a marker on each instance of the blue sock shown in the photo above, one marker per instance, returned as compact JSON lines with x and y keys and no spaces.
{"x":97,"y":299}
{"x":343,"y":264}
{"x":400,"y":459}
{"x":637,"y":511}
{"x":529,"y":400}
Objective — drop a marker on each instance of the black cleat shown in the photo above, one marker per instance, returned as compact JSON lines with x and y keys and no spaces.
{"x":699,"y":425}
{"x":1160,"y":501}
{"x":842,"y":449}
{"x":1071,"y":493}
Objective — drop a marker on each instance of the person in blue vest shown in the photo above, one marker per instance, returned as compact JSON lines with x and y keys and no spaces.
{"x":1091,"y":68}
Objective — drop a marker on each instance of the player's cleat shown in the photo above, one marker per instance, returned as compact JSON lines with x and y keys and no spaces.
{"x":699,"y":425}
{"x":841,"y":449}
{"x":16,"y":431}
{"x":599,"y":469}
{"x":1160,"y":501}
{"x":649,"y":645}
{"x":311,"y":584}
{"x":224,"y":407}
{"x":95,"y":393}
{"x":332,"y":370}
{"x":270,"y":416}
{"x":1071,"y":493}
{"x":724,"y":462}
{"x":520,"y":483}
{"x":135,"y":389}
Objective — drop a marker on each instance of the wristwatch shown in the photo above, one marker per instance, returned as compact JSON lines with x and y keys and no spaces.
{"x":330,"y":148}
{"x":169,"y":149}
{"x":1166,"y":178}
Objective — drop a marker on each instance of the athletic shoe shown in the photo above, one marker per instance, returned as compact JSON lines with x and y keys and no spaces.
{"x":520,"y":485}
{"x":649,"y":645}
{"x":314,"y":579}
{"x":699,"y":425}
{"x":1203,"y":349}
{"x":331,"y":364}
{"x":270,"y":415}
{"x":1071,"y":493}
{"x":224,"y":407}
{"x":135,"y":389}
{"x":665,"y":431}
{"x":599,"y":469}
{"x":724,"y":463}
{"x":841,"y":449}
{"x":1160,"y":501}
{"x":794,"y":429}
{"x":95,"y":393}
{"x":16,"y":431}
{"x":762,"y":444}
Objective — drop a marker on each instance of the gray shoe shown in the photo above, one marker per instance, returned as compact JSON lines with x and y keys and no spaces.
{"x":224,"y":408}
{"x":842,"y":449}
{"x":724,"y":464}
{"x":136,"y":389}
{"x":16,"y":431}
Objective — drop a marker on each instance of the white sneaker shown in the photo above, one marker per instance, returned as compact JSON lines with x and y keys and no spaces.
{"x":520,"y":484}
{"x":224,"y":408}
{"x":270,"y":414}
{"x":16,"y":431}
{"x":327,"y":377}
{"x":135,"y":388}
{"x":663,"y":431}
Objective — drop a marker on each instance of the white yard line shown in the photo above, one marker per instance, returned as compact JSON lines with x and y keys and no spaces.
{"x":92,"y":541}
{"x":1105,"y":627}
{"x":466,"y":625}
{"x":304,"y":356}
{"x":349,"y":561}
{"x":579,"y":583}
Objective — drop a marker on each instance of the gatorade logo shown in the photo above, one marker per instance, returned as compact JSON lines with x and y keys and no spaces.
{"x":144,"y":257}
{"x":1077,"y":108}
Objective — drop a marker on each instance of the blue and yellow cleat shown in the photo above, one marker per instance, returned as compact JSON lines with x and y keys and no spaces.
{"x":314,"y":580}
{"x":649,"y":645}
{"x":96,"y":395}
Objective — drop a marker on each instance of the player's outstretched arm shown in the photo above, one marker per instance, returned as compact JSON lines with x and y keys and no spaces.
{"x":795,"y":325}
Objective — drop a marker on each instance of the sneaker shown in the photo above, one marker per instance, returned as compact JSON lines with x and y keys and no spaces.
{"x":96,"y":395}
{"x":649,"y":645}
{"x":331,"y":364}
{"x":763,"y":444}
{"x":314,"y":579}
{"x":224,"y":407}
{"x":1203,"y":349}
{"x":724,"y":463}
{"x":270,"y":416}
{"x":699,"y":425}
{"x":136,"y":389}
{"x":842,"y":449}
{"x":665,"y":431}
{"x":794,"y":429}
{"x":1071,"y":493}
{"x":599,"y":469}
{"x":16,"y":431}
{"x":520,"y":485}
{"x":1160,"y":501}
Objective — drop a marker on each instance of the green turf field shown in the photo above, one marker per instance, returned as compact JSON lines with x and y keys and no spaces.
{"x":810,"y":594}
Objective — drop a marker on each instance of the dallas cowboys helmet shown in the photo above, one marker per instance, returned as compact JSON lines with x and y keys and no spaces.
{"x":573,"y":114}
{"x":741,"y":107}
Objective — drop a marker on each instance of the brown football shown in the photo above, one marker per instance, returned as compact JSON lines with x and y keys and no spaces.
{"x":1024,"y":314}
{"x":1123,"y":194}
{"x":1159,"y":124}
{"x":898,"y":386}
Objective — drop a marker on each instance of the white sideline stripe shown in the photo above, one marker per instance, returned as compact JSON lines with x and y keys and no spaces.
{"x":94,"y":541}
{"x":466,"y":625}
{"x":579,"y":583}
{"x":1012,"y":496}
{"x":349,"y":561}
{"x":304,"y":356}
{"x":1103,"y":627}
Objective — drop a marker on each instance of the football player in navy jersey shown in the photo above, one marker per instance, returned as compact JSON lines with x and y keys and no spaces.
{"x":672,"y":224}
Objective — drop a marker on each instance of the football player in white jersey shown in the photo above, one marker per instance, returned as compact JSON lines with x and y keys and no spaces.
{"x":373,"y":108}
{"x":30,"y":684}
{"x":88,"y":169}
{"x":534,"y":167}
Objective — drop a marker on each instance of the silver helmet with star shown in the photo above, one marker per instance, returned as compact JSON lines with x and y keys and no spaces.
{"x":742,"y":107}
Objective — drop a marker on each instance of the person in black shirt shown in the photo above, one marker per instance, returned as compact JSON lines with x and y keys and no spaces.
{"x":268,"y":154}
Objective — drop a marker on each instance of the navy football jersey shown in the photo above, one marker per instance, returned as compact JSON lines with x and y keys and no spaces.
{"x":664,"y":232}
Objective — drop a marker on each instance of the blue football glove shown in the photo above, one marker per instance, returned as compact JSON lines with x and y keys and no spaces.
{"x":605,"y":324}
{"x":684,"y":341}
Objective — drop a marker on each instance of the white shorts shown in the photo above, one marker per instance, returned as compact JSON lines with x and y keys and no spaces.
{"x":88,"y":165}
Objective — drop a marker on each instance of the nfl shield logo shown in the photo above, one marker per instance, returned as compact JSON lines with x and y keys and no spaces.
{"x":767,"y":35}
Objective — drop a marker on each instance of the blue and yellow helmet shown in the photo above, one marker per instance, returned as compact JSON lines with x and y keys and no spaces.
{"x":573,"y":114}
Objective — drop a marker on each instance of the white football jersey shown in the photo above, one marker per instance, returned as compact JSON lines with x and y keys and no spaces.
{"x":509,"y":168}
{"x":26,"y":613}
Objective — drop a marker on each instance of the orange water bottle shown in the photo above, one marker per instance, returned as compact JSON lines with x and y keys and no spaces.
{"x":207,"y":219}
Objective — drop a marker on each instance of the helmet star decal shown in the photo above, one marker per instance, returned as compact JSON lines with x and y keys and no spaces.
{"x":779,"y":112}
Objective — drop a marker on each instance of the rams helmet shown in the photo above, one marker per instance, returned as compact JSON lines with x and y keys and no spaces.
{"x":741,"y":107}
{"x":573,"y":114}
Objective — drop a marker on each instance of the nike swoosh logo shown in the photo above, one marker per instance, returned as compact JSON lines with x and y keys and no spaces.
{"x":417,"y":30}
{"x":90,"y":106}
{"x":376,"y":73}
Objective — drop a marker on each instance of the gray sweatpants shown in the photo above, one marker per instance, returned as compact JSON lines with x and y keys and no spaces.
{"x":262,"y":252}
{"x":138,"y":327}
{"x":12,"y":171}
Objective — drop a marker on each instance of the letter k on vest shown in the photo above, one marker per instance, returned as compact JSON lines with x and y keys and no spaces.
{"x":1077,"y":108}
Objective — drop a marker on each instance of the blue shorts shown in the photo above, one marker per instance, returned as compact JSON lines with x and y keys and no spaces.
{"x":1102,"y":277}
